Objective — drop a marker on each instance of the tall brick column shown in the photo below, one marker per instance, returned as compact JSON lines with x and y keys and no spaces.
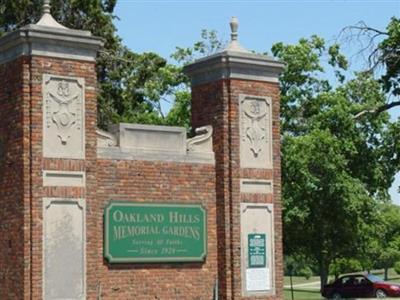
{"x":238,"y":93}
{"x":47,"y":160}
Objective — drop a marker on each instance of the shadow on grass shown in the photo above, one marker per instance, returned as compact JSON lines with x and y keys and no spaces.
{"x":304,"y":291}
{"x":394,"y":278}
{"x":302,"y":294}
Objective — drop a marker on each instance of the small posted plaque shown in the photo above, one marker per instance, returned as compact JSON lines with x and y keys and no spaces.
{"x":256,"y":251}
{"x":257,"y":273}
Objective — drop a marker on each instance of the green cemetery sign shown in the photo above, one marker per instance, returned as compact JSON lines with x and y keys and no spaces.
{"x":256,"y":250}
{"x":153,"y":232}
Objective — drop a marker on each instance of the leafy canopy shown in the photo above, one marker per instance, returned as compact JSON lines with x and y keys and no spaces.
{"x":389,"y":55}
{"x":335,"y":167}
{"x":132,"y":86}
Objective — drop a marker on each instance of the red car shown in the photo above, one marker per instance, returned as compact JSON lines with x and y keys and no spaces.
{"x":360,"y":286}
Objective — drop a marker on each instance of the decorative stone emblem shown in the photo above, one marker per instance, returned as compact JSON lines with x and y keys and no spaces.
{"x":64,"y":119}
{"x":63,"y":131}
{"x":255,"y":132}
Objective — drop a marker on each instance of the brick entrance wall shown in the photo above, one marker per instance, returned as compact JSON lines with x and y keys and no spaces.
{"x":205,"y":170}
{"x":13,"y":165}
{"x":71,"y":68}
{"x":217,"y":103}
{"x":21,"y":189}
{"x":162,"y":182}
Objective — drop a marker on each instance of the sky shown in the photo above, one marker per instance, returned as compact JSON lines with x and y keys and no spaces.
{"x":161,"y":25}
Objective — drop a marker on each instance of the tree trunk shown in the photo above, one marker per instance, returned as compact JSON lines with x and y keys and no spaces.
{"x":323,"y":273}
{"x":386,"y":274}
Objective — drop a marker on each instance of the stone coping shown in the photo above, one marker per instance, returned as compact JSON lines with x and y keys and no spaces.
{"x":126,"y":141}
{"x":230,"y":64}
{"x":49,"y":41}
{"x":116,"y":153}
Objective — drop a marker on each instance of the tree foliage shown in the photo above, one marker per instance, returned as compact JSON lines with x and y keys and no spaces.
{"x":298,"y":265}
{"x":388,"y":54}
{"x":397,"y":267}
{"x":383,"y":59}
{"x":387,"y":238}
{"x":132,"y":86}
{"x":344,"y":265}
{"x":335,"y":167}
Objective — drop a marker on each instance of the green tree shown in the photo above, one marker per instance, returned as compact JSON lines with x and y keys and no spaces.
{"x":397,"y":267}
{"x":384,"y":60}
{"x":385,"y":54}
{"x":93,"y":15}
{"x":141,"y":82}
{"x":298,"y":265}
{"x":344,"y":265}
{"x":388,"y":54}
{"x":388,"y":238}
{"x":132,"y":86}
{"x":335,"y":166}
{"x":137,"y":85}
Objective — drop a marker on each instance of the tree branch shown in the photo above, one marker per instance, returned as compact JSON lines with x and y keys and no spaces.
{"x":366,"y":36}
{"x":364,"y":27}
{"x":377,"y":110}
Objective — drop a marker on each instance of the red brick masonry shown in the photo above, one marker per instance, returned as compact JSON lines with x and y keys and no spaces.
{"x":217,"y":103}
{"x":217,"y":187}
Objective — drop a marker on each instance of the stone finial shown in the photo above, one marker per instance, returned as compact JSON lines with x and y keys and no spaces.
{"x":47,"y":19}
{"x":46,"y":7}
{"x":234,"y":44}
{"x":234,"y":28}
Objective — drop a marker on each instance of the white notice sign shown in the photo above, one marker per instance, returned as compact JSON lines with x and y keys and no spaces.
{"x":257,"y":279}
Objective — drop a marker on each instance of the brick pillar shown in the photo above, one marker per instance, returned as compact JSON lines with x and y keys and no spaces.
{"x":47,"y":161}
{"x":238,"y":93}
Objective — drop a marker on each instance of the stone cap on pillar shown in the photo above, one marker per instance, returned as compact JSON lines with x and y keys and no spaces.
{"x":234,"y":62}
{"x":49,"y":38}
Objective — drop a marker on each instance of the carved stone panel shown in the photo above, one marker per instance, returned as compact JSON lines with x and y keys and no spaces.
{"x":257,"y":219}
{"x":63,"y":117}
{"x":63,"y":248}
{"x":255,"y":132}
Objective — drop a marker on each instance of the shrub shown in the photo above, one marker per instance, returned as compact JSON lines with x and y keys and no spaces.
{"x":344,"y":265}
{"x":397,"y":267}
{"x":298,"y":265}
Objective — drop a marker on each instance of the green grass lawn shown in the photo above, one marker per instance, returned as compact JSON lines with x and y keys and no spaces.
{"x":299,"y":280}
{"x":301,"y":295}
